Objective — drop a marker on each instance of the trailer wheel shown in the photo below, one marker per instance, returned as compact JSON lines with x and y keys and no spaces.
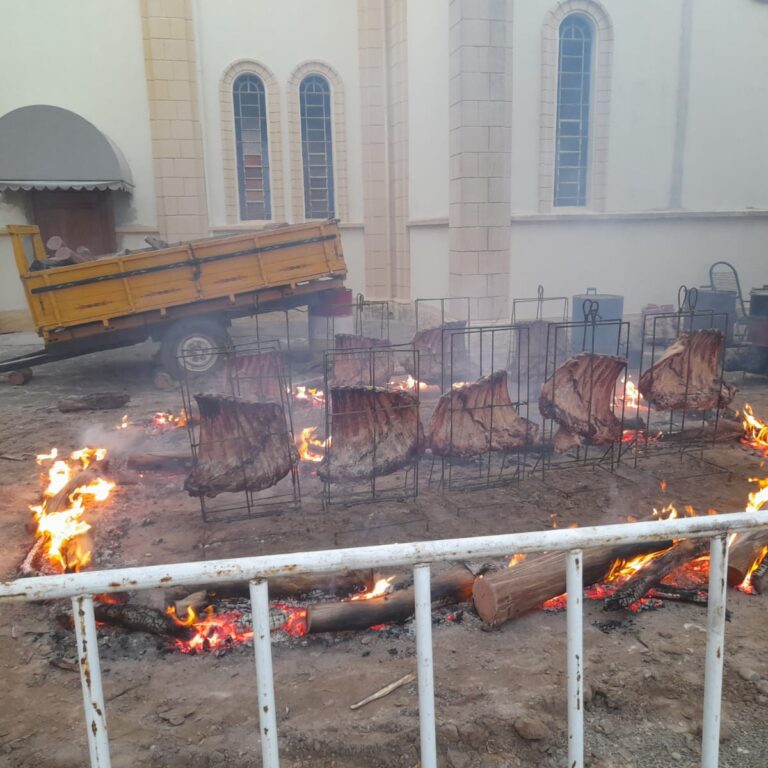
{"x":193,"y":347}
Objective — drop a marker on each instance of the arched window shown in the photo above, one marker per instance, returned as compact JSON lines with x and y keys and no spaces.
{"x":251,"y":147}
{"x":317,"y":147}
{"x":574,"y":74}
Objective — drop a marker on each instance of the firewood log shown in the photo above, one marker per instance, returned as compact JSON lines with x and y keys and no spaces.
{"x":338,"y":584}
{"x":361,"y":361}
{"x":452,"y":586}
{"x":687,"y":375}
{"x":511,"y":592}
{"x":652,"y":573}
{"x":19,"y":377}
{"x":745,"y":549}
{"x":94,"y":401}
{"x":374,"y":432}
{"x":477,"y":418}
{"x":578,"y":396}
{"x":160,"y":462}
{"x":243,"y":446}
{"x":135,"y":618}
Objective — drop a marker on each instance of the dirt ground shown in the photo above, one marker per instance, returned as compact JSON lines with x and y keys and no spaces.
{"x":500,"y":695}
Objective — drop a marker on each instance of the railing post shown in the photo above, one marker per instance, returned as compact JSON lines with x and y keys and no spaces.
{"x":423,"y":603}
{"x":713,"y":665}
{"x":265,"y":684}
{"x":575,"y":630}
{"x":90,"y":678}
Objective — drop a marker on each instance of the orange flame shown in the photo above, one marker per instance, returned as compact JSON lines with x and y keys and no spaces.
{"x":61,"y":529}
{"x":629,"y":396}
{"x":746,"y":585}
{"x":162,"y":421}
{"x":311,"y":395}
{"x":310,"y":447}
{"x":409,"y":384}
{"x":380,"y":588}
{"x":516,"y":560}
{"x":755,"y":431}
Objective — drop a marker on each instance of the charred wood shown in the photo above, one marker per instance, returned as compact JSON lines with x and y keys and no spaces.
{"x":652,"y":573}
{"x":511,"y":592}
{"x":94,"y":401}
{"x":452,"y":586}
{"x":743,"y":552}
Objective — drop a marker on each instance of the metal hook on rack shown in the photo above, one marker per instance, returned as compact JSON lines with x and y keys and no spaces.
{"x":687,"y":298}
{"x":590,"y":308}
{"x":539,"y":302}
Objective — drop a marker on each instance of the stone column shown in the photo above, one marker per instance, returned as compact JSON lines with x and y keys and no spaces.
{"x":480,"y":125}
{"x":177,"y":146}
{"x":382,"y":35}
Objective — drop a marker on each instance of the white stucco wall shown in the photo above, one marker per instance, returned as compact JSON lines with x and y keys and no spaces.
{"x":726,"y":161}
{"x":86,"y":57}
{"x":279,"y":37}
{"x":428,"y":109}
{"x":645,"y":260}
{"x":429,"y":261}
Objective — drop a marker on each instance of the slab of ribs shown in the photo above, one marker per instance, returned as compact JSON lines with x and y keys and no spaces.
{"x":362,"y":361}
{"x":374,"y":431}
{"x":255,"y":377}
{"x":686,"y":375}
{"x":243,"y":446}
{"x":476,"y":418}
{"x":434,"y":346}
{"x":578,"y":396}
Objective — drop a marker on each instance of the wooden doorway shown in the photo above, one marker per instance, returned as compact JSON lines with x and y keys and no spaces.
{"x":78,"y":217}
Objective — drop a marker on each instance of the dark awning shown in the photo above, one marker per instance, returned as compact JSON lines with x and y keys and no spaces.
{"x":45,"y":147}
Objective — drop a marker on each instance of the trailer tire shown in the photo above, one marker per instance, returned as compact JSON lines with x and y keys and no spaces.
{"x":193,"y":347}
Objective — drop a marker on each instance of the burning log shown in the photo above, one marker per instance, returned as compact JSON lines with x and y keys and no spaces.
{"x":686,"y":375}
{"x":511,"y":592}
{"x":360,"y":360}
{"x":434,"y":348}
{"x":578,"y":396}
{"x":94,"y":401}
{"x":374,"y":432}
{"x":477,"y":418}
{"x":745,"y":550}
{"x":243,"y":446}
{"x":135,"y":618}
{"x":453,"y":586}
{"x":760,"y":578}
{"x":59,"y":546}
{"x":256,"y":378}
{"x":651,"y":574}
{"x":296,"y":586}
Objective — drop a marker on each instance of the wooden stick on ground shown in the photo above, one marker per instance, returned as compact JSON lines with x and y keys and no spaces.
{"x":385,"y":691}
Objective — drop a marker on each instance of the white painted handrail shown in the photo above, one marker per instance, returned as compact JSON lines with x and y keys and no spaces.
{"x":258,"y":570}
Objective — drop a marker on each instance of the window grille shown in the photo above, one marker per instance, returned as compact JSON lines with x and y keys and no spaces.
{"x":251,"y":148}
{"x":317,"y":147}
{"x":574,"y":73}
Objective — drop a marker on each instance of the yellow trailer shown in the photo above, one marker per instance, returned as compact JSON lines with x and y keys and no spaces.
{"x":183,"y":295}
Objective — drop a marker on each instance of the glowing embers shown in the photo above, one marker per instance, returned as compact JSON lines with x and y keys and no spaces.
{"x":755,"y":431}
{"x":211,"y":631}
{"x":73,"y":485}
{"x":159,"y":423}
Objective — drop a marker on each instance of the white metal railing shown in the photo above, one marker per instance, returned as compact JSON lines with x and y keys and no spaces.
{"x":81,"y":587}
